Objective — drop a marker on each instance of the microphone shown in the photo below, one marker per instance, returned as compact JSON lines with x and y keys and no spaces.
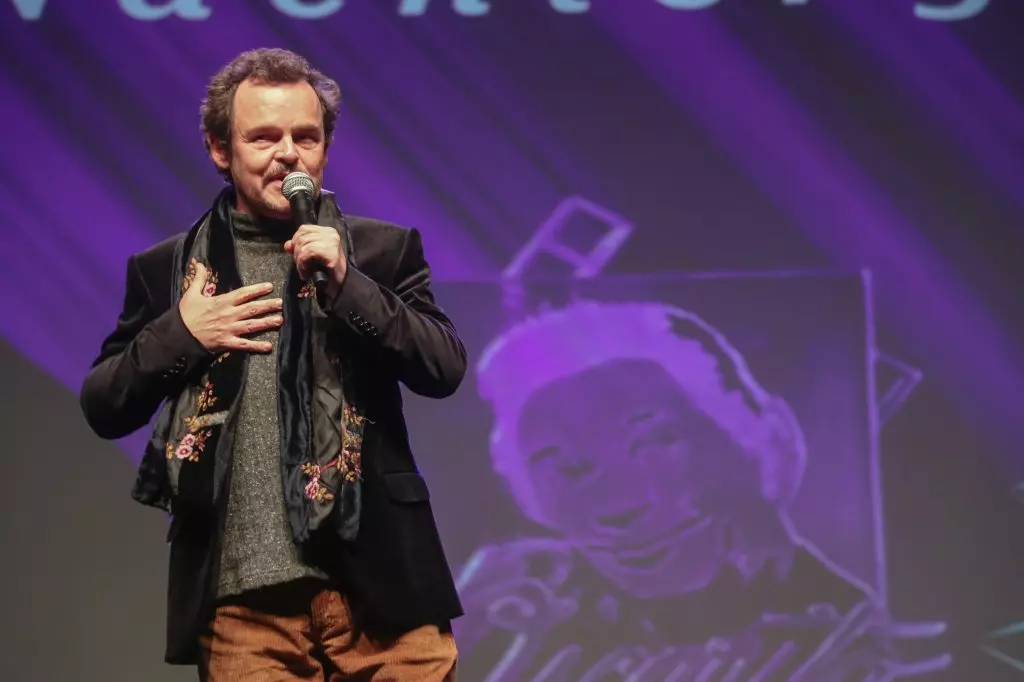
{"x":297,"y":188}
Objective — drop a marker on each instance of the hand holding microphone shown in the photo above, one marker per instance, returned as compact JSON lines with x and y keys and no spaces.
{"x":317,"y":250}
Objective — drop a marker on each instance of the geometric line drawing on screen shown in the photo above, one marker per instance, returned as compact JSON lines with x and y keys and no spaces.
{"x":576,"y":241}
{"x":553,"y":237}
{"x":901,"y":379}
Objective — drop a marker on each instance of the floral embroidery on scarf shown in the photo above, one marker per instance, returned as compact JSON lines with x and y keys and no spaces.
{"x":315,"y":490}
{"x":348,"y":462}
{"x":350,"y":459}
{"x":200,"y":422}
{"x":189,"y":448}
{"x":349,"y":465}
{"x":211,"y":280}
{"x":307,"y":291}
{"x":194,"y":442}
{"x":206,"y":399}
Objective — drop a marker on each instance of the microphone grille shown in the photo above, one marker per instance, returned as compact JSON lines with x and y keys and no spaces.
{"x":296,"y":182}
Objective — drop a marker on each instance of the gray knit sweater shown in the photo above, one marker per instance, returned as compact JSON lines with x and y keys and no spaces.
{"x":258,"y":550}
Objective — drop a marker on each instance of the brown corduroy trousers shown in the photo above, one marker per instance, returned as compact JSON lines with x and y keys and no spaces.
{"x":304,"y":631}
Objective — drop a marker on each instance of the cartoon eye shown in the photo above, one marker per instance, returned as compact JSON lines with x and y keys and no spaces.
{"x":570,"y":468}
{"x":654,"y":435}
{"x":545,"y":453}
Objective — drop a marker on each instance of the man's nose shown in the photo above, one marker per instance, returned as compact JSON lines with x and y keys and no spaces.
{"x":286,"y":154}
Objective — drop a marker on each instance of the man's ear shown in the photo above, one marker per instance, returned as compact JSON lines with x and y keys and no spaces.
{"x":219,"y":152}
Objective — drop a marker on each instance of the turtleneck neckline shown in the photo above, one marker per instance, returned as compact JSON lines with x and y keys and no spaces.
{"x":257,"y":228}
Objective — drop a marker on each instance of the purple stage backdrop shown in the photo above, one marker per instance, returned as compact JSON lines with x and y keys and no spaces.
{"x":739,"y":281}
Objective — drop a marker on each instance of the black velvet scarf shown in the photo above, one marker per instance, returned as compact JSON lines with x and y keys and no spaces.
{"x":190,"y":450}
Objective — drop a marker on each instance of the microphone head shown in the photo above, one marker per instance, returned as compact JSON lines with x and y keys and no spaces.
{"x":296,"y":182}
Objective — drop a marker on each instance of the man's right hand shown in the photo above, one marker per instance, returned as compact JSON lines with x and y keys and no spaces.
{"x":219,"y":322}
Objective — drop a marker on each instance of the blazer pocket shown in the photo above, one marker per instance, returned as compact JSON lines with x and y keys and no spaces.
{"x":406,"y":487}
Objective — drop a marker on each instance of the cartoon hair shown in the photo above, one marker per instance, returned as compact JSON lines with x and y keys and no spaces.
{"x":557,"y":344}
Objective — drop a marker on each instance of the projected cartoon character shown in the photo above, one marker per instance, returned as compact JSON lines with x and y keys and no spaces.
{"x":637,"y":435}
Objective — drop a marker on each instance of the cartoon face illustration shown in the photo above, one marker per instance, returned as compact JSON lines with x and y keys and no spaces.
{"x":627,"y":469}
{"x":636,"y":433}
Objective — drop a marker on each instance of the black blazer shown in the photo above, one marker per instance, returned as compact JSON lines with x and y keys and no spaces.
{"x":395,"y":572}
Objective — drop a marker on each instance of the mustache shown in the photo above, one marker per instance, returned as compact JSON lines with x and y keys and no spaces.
{"x":278,"y":173}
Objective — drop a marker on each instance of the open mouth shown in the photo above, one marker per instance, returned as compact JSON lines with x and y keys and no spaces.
{"x":642,"y":562}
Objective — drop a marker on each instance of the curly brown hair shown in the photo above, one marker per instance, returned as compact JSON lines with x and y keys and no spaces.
{"x":264,"y":65}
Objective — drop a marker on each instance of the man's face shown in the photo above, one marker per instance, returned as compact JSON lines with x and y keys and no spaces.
{"x":633,"y":474}
{"x":276,"y":129}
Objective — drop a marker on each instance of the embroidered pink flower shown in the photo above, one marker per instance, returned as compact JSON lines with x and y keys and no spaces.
{"x":315,"y":490}
{"x":313,"y":487}
{"x":189,"y":447}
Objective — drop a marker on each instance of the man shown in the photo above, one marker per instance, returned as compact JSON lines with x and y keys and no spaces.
{"x":303,"y":545}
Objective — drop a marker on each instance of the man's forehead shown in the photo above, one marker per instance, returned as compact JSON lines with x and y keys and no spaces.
{"x":296,"y":102}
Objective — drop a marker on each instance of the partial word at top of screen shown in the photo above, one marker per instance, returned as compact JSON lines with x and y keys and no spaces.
{"x":199,"y":10}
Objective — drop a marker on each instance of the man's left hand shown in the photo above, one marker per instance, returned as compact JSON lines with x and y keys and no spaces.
{"x":315,"y":244}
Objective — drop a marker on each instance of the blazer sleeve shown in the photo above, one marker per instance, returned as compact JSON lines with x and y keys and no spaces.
{"x":405,"y":322}
{"x":145,"y":359}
